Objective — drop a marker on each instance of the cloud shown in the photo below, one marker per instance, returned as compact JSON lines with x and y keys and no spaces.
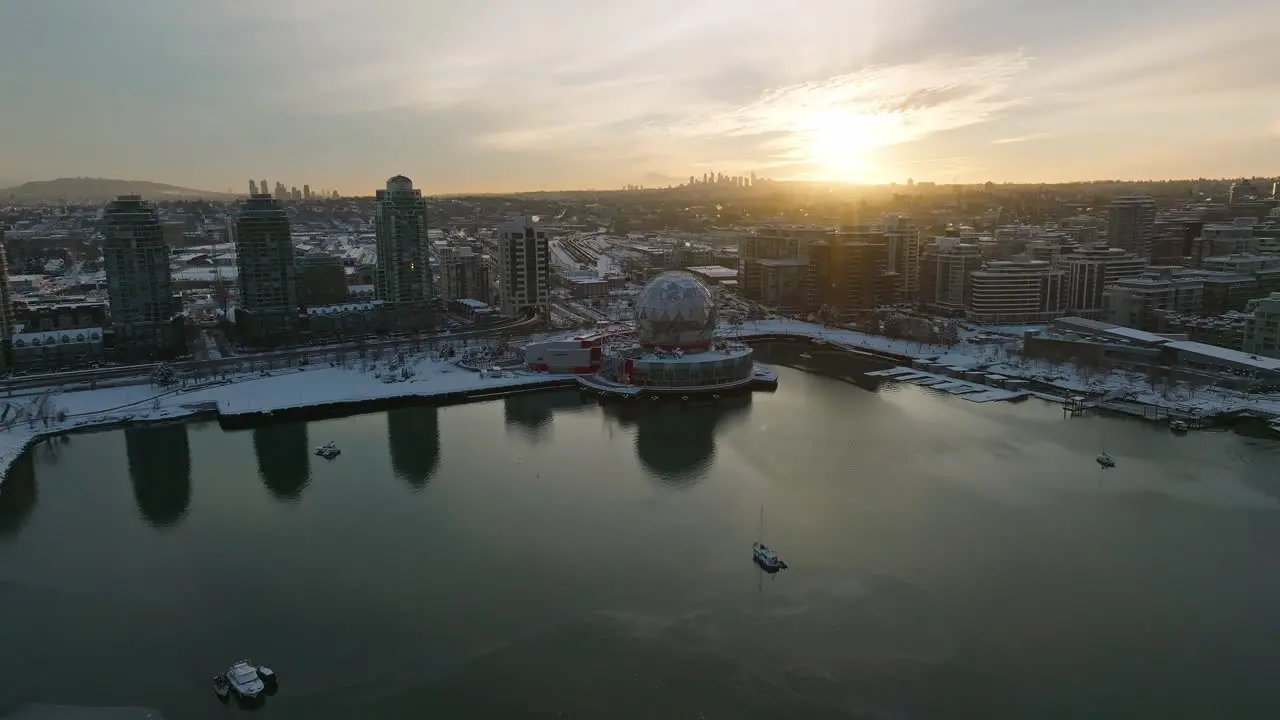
{"x":1022,"y":138}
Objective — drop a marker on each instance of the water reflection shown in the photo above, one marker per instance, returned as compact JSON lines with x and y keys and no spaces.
{"x":160,"y":470}
{"x":837,"y":364}
{"x":676,"y":441}
{"x":413,"y":435}
{"x":18,"y":496}
{"x":533,"y":412}
{"x":284,"y":458}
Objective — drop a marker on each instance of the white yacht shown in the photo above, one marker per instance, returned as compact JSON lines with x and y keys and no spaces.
{"x":246,"y":681}
{"x":765,"y":556}
{"x":1179,"y":426}
{"x":329,"y":450}
{"x":1105,"y":461}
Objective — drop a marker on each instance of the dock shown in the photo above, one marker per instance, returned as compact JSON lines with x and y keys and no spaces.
{"x":968,"y":389}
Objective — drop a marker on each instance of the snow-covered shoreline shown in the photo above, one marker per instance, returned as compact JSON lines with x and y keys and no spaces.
{"x":34,"y":417}
{"x":1001,"y":357}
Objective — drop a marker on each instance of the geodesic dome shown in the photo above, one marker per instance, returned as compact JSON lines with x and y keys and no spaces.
{"x":675,"y":310}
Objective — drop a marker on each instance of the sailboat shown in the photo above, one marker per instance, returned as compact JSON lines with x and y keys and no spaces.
{"x":766,"y":557}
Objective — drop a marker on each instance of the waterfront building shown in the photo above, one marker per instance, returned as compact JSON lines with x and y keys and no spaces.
{"x":849,"y":272}
{"x":524,"y":267}
{"x":1262,"y":330}
{"x":773,"y":266}
{"x":267,"y":313}
{"x":6,"y":306}
{"x":1134,"y":302}
{"x":675,"y":347}
{"x":1090,"y":269}
{"x":1017,"y":291}
{"x":946,"y":267}
{"x":903,"y":245}
{"x":1131,"y":224}
{"x":55,"y":334}
{"x":139,"y":285}
{"x":403,"y":275}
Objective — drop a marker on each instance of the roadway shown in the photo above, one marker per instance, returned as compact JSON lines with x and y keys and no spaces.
{"x":278,"y":358}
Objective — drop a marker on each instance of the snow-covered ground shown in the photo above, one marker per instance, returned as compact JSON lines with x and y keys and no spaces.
{"x":1003,"y":359}
{"x":33,"y":416}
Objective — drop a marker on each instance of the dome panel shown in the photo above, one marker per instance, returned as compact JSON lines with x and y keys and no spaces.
{"x":675,"y":310}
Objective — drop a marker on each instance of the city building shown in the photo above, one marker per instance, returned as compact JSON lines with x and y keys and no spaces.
{"x":849,"y":271}
{"x":677,"y":350}
{"x":1262,"y":331}
{"x":1090,"y":269}
{"x":946,"y":266}
{"x":267,"y":313}
{"x":136,"y":259}
{"x":464,"y":273}
{"x":322,"y":280}
{"x":253,"y":188}
{"x":1134,"y":302}
{"x":903,"y":246}
{"x":1131,"y":224}
{"x":524,"y":267}
{"x":403,"y":274}
{"x":60,"y":334}
{"x":1017,"y":291}
{"x":6,"y":306}
{"x":773,"y":266}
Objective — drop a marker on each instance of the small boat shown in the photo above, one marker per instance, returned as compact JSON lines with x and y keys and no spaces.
{"x":329,"y":450}
{"x":1179,"y":426}
{"x":765,"y":556}
{"x":806,"y":356}
{"x":1105,"y":461}
{"x":246,"y":681}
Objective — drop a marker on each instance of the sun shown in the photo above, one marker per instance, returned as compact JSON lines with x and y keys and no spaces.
{"x":842,"y":144}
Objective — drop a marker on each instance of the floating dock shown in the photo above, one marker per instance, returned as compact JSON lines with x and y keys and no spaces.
{"x":967,"y":389}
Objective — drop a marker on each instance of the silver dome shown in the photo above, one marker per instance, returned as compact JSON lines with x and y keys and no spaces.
{"x":675,"y":310}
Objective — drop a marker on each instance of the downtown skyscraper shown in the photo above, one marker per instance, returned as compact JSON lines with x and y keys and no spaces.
{"x":267,"y":275}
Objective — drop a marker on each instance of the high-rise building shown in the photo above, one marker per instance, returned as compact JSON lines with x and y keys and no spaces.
{"x":524,"y":266}
{"x":1017,"y":291}
{"x":282,"y":192}
{"x":306,"y":192}
{"x":1090,"y":269}
{"x":295,"y":193}
{"x":945,"y":268}
{"x":850,"y":272}
{"x":262,"y":187}
{"x":6,"y":306}
{"x":903,"y":240}
{"x":463,"y":274}
{"x":1131,"y":223}
{"x":400,"y":224}
{"x":253,"y":188}
{"x":268,"y":310}
{"x":139,"y":285}
{"x":773,"y":266}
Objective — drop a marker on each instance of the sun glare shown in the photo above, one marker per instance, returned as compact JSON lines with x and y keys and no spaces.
{"x":843,"y":144}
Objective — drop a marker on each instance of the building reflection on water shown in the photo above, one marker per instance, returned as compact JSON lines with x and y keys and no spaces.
{"x":676,"y":441}
{"x":413,"y":435}
{"x":18,"y":495}
{"x":533,"y":412}
{"x":160,"y":471}
{"x":284,"y":458}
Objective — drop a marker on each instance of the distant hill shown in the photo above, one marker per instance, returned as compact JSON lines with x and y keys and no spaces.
{"x":104,"y":189}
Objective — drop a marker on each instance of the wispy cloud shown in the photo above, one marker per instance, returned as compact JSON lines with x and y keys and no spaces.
{"x":1022,"y":138}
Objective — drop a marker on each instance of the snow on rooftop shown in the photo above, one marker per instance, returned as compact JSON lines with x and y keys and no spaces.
{"x":1226,"y":355}
{"x":343,"y":308}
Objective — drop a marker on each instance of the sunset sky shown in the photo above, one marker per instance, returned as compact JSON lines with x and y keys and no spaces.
{"x":499,"y":95}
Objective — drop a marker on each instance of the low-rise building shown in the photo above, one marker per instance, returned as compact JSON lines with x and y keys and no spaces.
{"x":1262,"y":331}
{"x":1133,"y":302}
{"x":1017,"y":291}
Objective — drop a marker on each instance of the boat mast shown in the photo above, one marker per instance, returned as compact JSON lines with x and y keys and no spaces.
{"x":760,"y":532}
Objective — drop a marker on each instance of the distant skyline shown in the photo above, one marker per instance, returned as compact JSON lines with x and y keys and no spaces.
{"x":499,"y":95}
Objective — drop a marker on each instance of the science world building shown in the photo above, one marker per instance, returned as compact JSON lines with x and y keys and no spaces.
{"x":675,"y":348}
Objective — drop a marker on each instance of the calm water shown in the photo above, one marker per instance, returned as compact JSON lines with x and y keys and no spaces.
{"x":543,"y":556}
